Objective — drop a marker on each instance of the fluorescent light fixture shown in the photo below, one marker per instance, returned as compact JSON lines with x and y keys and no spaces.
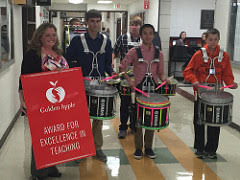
{"x":104,"y":2}
{"x":75,"y":1}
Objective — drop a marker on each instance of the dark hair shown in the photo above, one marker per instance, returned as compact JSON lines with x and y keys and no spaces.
{"x":93,"y":13}
{"x":180,"y":35}
{"x":213,"y":31}
{"x":145,"y":26}
{"x":36,"y":42}
{"x":136,"y":20}
{"x":73,"y":20}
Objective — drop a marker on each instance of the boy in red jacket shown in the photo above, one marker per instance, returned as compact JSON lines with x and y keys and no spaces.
{"x":201,"y":69}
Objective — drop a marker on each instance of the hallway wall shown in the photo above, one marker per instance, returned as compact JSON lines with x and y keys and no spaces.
{"x":186,"y":16}
{"x":9,"y":103}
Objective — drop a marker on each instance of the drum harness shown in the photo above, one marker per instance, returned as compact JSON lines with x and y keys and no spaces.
{"x":132,"y":43}
{"x":211,"y":71}
{"x":94,"y":61}
{"x":212,"y":66}
{"x":148,"y":84}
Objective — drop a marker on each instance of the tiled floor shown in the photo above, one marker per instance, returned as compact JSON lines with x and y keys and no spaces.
{"x":173,"y":146}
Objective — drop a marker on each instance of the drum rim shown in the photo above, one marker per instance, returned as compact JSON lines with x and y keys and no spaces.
{"x":154,"y":128}
{"x":163,"y":104}
{"x":103,"y":118}
{"x":203,"y":122}
{"x":215,"y":101}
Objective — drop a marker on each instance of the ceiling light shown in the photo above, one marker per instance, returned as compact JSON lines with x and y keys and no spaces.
{"x":104,"y":2}
{"x":75,"y":1}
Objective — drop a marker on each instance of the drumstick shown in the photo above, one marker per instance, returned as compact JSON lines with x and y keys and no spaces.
{"x":120,"y":74}
{"x":86,"y":78}
{"x":145,"y":94}
{"x":206,"y":87}
{"x":164,"y":82}
{"x":227,"y":86}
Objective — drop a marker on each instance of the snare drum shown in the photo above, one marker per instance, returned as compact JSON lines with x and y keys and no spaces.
{"x":153,"y":112}
{"x":215,"y":108}
{"x":124,"y":88}
{"x":168,"y":89}
{"x":114,"y":82}
{"x":101,"y":101}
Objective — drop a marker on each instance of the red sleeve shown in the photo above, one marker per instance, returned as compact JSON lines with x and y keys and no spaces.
{"x":189,"y":72}
{"x":128,"y":59}
{"x":227,"y":76}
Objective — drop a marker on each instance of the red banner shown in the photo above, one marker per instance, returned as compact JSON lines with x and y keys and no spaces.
{"x":58,"y":116}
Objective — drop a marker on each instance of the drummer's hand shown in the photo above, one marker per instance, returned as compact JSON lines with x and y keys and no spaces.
{"x":235,"y":85}
{"x":131,"y":84}
{"x":195,"y":84}
{"x":116,"y":76}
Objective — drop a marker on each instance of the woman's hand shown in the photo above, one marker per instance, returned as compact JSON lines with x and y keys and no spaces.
{"x":23,"y":107}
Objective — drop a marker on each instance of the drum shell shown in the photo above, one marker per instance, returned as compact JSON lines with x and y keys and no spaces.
{"x":124,"y":88}
{"x":215,"y":111}
{"x":114,"y":82}
{"x":168,"y":89}
{"x":155,"y":115}
{"x":102,"y":101}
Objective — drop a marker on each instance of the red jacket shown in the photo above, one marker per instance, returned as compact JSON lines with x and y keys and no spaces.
{"x":198,"y":70}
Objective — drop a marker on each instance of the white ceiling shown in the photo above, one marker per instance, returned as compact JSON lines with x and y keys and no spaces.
{"x":95,"y":1}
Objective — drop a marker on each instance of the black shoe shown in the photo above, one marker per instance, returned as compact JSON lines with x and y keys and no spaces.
{"x":56,"y":174}
{"x":200,"y":154}
{"x":101,"y":156}
{"x":211,"y":155}
{"x":38,"y":178}
{"x":149,"y":153}
{"x":138,"y":154}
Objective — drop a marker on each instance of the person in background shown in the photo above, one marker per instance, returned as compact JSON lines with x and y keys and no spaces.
{"x":139,"y":69}
{"x":181,"y":40}
{"x":43,"y":55}
{"x":83,"y":49}
{"x":203,"y":40}
{"x":197,"y":72}
{"x":124,"y":43}
{"x":75,"y":22}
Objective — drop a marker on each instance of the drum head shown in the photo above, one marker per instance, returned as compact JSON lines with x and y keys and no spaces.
{"x":101,"y":89}
{"x":113,"y":81}
{"x":124,"y":83}
{"x":172,"y":81}
{"x":219,"y":97}
{"x":154,"y":99}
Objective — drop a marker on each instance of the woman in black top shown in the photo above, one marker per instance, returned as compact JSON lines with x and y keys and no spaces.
{"x":43,"y":55}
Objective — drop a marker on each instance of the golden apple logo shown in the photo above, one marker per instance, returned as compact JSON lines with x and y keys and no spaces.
{"x":55,"y":94}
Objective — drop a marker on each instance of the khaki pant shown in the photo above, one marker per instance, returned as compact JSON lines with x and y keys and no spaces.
{"x":97,"y":133}
{"x":148,"y":138}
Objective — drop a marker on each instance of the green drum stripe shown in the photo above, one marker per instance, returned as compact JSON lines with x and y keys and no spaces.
{"x":143,"y":114}
{"x":160,"y":117}
{"x":102,"y":118}
{"x":154,"y":128}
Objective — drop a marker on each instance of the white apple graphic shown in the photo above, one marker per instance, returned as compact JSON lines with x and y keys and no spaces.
{"x":55,"y":94}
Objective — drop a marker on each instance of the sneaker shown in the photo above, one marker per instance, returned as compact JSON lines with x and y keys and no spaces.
{"x":122,"y":134}
{"x":138,"y":154}
{"x":38,"y":178}
{"x":149,"y":153}
{"x":101,"y":156}
{"x":200,"y":154}
{"x":211,"y":155}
